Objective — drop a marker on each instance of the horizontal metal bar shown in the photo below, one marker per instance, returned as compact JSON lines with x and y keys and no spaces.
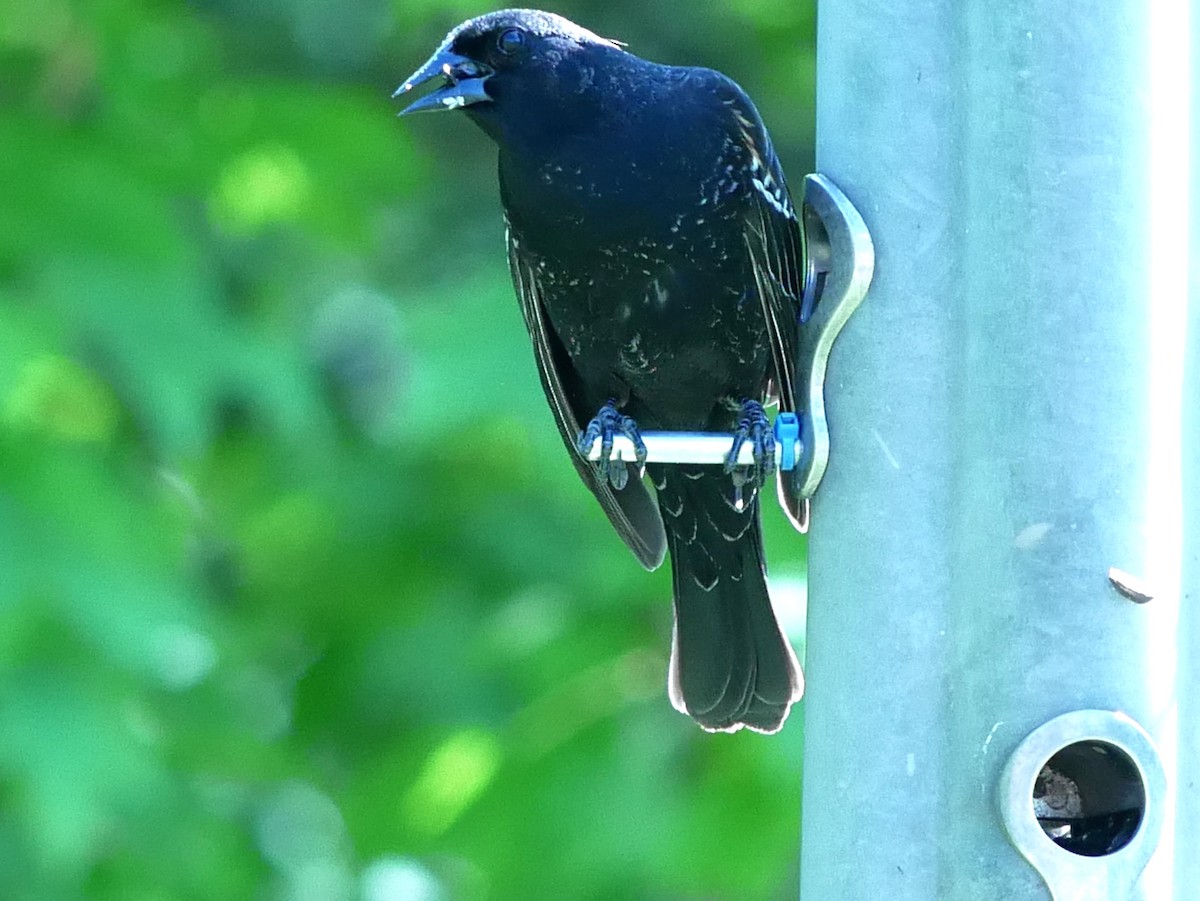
{"x":685,"y":447}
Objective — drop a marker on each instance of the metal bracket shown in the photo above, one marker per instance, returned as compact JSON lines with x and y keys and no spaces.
{"x":1069,"y":876}
{"x":841,"y":260}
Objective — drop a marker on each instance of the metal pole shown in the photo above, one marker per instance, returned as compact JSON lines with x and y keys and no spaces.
{"x":1008,"y":425}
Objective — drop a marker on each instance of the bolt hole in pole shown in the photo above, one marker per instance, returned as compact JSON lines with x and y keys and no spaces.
{"x":1089,"y":798}
{"x":1083,"y":799}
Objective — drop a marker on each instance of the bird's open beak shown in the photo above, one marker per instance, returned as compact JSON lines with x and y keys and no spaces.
{"x":463,"y":85}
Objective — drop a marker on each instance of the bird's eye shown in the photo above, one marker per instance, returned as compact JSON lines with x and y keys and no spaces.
{"x":511,"y":41}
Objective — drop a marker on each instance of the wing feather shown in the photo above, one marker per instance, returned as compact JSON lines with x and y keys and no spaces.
{"x":632,"y":511}
{"x":775,"y":245}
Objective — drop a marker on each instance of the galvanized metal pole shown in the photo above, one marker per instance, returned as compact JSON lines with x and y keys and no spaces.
{"x":1009,"y":429}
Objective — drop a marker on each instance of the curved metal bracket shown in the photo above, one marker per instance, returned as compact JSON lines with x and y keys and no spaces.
{"x":841,"y":261}
{"x":1071,"y":877}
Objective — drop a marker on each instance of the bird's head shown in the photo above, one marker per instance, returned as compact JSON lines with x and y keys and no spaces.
{"x":513,"y":68}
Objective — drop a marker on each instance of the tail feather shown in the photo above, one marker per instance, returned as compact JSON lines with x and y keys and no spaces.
{"x":731,"y":665}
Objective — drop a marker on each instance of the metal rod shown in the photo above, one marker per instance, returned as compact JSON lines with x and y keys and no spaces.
{"x":705,"y":448}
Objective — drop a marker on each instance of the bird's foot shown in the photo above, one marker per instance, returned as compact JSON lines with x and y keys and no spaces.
{"x":753,"y":426}
{"x":606,"y":425}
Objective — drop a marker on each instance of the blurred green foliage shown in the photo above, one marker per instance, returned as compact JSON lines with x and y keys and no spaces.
{"x":299,"y":596}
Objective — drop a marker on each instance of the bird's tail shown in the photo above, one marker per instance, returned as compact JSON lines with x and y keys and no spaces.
{"x":731,"y":665}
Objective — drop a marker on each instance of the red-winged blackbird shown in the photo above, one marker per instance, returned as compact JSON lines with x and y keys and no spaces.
{"x":657,"y":259}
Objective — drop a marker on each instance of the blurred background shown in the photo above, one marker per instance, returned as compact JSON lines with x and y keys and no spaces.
{"x":300,"y":597}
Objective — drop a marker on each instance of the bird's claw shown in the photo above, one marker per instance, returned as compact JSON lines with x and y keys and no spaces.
{"x":753,"y":426}
{"x":606,"y":425}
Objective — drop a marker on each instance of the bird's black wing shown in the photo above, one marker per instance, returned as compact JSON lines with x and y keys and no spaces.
{"x":775,"y":245}
{"x":631,"y":510}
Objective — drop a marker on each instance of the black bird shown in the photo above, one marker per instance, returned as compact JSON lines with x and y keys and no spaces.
{"x":657,"y":258}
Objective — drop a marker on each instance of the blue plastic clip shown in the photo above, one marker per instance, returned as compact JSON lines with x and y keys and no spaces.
{"x":787,"y":435}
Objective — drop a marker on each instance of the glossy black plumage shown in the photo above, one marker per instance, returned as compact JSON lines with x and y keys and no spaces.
{"x":657,"y":259}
